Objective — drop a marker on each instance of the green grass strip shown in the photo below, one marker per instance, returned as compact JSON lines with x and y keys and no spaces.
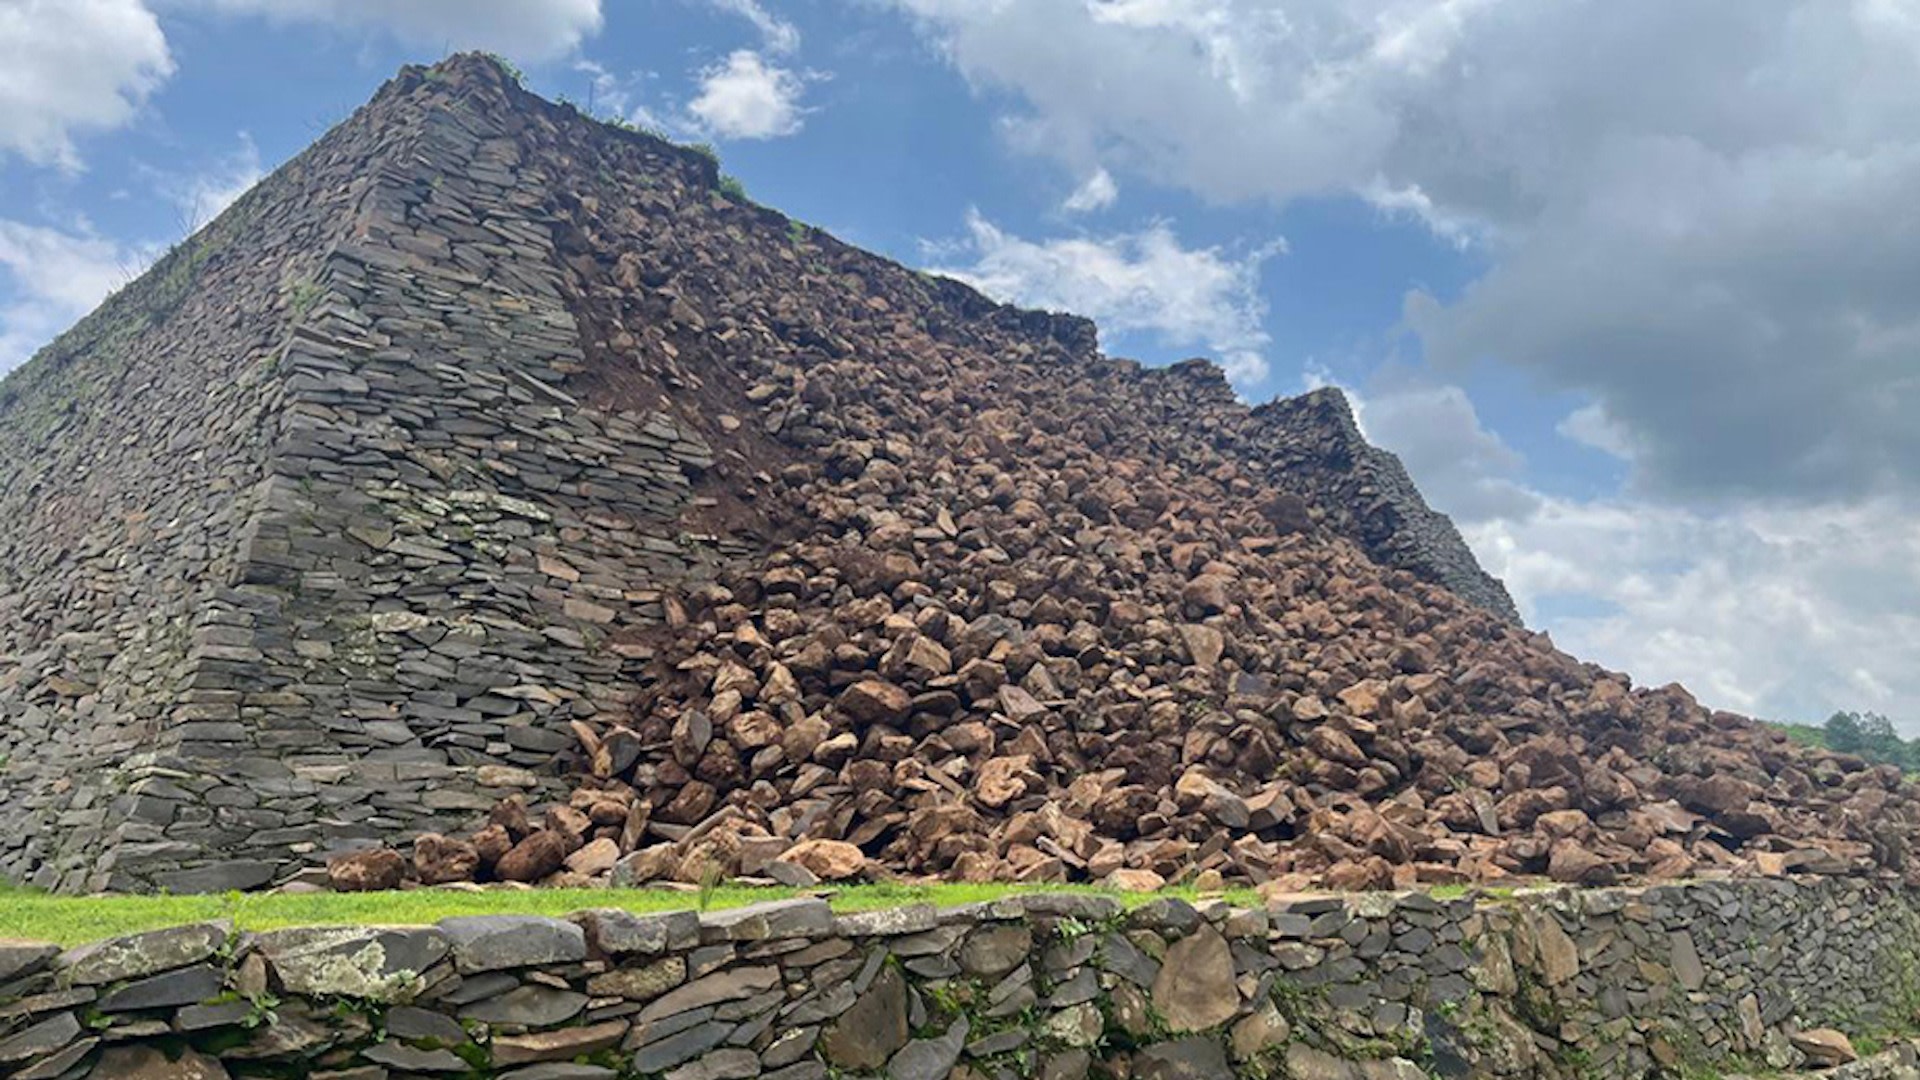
{"x":74,"y":920}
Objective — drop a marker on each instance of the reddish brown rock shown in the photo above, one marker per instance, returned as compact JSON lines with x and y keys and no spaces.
{"x":595,"y":858}
{"x":490,"y":844}
{"x":366,"y":871}
{"x":872,"y":701}
{"x":540,"y":854}
{"x":827,"y":860}
{"x":438,"y":860}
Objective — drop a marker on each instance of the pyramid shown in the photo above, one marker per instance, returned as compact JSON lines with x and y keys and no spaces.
{"x":332,"y":510}
{"x":483,"y":433}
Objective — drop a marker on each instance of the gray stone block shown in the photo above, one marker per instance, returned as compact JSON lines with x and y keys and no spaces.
{"x":484,"y":943}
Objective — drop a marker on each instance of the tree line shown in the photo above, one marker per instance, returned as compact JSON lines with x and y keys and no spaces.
{"x":1867,"y":735}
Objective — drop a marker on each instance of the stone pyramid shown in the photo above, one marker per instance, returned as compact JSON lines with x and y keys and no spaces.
{"x":325,"y":530}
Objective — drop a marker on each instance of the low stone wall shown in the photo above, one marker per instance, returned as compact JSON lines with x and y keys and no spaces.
{"x":1613,"y":983}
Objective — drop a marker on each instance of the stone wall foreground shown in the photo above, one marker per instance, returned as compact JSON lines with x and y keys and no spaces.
{"x":1630,"y":982}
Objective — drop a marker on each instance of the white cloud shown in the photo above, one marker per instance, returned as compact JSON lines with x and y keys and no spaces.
{"x":71,"y":66}
{"x":1462,"y":467}
{"x":68,"y":67}
{"x":1783,"y":612}
{"x":1099,"y":192}
{"x":779,"y":35}
{"x":524,"y":29}
{"x":1589,"y":425}
{"x":744,"y":97}
{"x":1410,"y":201}
{"x":1142,"y":282}
{"x":55,"y":277}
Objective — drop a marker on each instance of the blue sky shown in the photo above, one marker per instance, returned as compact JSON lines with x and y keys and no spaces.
{"x":1631,"y":286}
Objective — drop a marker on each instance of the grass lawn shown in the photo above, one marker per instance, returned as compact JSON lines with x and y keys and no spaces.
{"x":74,"y":920}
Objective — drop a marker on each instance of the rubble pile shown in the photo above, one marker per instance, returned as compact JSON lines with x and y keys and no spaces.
{"x":1025,"y":612}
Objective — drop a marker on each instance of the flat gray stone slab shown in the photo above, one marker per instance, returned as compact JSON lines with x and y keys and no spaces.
{"x":144,"y":954}
{"x":533,"y":1006}
{"x":888,"y":922}
{"x":56,"y":1066}
{"x":930,"y":1059}
{"x":362,"y":962}
{"x":397,"y":1056}
{"x":18,"y":958}
{"x":799,"y":917}
{"x":560,"y":1070}
{"x":732,"y":984}
{"x":167,"y":990}
{"x":664,"y":1054}
{"x":239,"y":875}
{"x":620,"y":933}
{"x":413,"y":1025}
{"x":42,"y":1038}
{"x":497,"y":942}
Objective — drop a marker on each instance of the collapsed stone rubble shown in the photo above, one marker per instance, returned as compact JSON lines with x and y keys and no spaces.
{"x":1023,"y":612}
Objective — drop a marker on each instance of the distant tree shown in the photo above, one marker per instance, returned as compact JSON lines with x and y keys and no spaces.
{"x":1871,"y":736}
{"x":1843,"y":732}
{"x":1875,"y":728}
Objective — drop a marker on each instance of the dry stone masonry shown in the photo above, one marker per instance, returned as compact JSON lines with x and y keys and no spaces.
{"x":1703,"y":979}
{"x":306,"y":542}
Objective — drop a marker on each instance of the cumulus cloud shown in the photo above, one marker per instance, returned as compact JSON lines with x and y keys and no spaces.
{"x":1720,"y":250}
{"x":526,"y":29}
{"x":68,"y":67}
{"x":72,"y":66}
{"x":55,"y":277}
{"x":1140,"y":282}
{"x":1779,"y":609}
{"x":1590,"y":426}
{"x":1099,"y":192}
{"x":779,"y":35}
{"x":1788,"y":612}
{"x":745,"y":97}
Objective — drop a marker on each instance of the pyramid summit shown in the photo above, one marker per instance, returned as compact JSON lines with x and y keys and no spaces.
{"x":488,"y":452}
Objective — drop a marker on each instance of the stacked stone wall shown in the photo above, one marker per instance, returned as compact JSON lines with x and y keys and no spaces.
{"x":455,"y":557}
{"x":1675,"y":980}
{"x":354,"y":557}
{"x":131,"y":462}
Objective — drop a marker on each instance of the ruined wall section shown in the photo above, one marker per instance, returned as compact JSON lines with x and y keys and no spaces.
{"x":1311,"y":447}
{"x":1318,"y":451}
{"x":325,"y":529}
{"x":309,"y":542}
